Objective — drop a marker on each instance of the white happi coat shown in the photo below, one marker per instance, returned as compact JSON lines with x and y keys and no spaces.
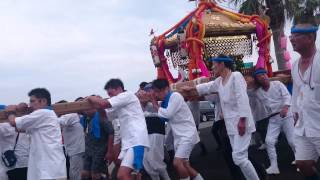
{"x":181,"y":121}
{"x":133,"y":128}
{"x":73,"y":134}
{"x":46,"y":158}
{"x":234,"y":101}
{"x":275,"y":98}
{"x":306,"y":98}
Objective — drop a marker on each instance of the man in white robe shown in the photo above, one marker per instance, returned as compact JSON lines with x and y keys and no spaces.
{"x":232,"y":91}
{"x":277,"y":99}
{"x":306,"y":97}
{"x":176,"y":112}
{"x":73,"y":136}
{"x":46,"y":158}
{"x":133,"y":130}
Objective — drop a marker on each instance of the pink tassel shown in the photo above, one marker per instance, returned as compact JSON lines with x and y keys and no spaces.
{"x":262,"y":48}
{"x":286,"y":56}
{"x":204,"y":70}
{"x":288,"y":64}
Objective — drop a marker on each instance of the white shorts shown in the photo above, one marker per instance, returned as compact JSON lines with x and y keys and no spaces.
{"x":127,"y":156}
{"x":183,"y":151}
{"x":307,"y":148}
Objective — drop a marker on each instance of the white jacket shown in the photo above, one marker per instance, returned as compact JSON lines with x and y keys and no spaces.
{"x":234,"y":101}
{"x":306,"y":98}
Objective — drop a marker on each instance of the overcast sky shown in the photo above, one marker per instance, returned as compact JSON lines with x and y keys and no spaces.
{"x":72,"y":47}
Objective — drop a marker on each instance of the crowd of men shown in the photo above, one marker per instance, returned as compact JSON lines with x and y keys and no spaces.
{"x":134,"y":130}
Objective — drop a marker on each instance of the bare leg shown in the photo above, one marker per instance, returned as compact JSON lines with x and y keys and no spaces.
{"x":124,"y":173}
{"x":178,"y":164}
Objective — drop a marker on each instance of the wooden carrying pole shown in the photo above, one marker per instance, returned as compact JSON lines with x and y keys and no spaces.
{"x":59,"y":109}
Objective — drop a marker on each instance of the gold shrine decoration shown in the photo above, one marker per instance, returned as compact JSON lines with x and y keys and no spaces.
{"x":217,"y":23}
{"x":59,"y":109}
{"x":228,"y":45}
{"x":239,"y":45}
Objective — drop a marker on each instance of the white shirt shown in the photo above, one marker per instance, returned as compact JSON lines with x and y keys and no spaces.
{"x":181,"y":121}
{"x":275,"y":98}
{"x":8,"y":137}
{"x":133,"y":128}
{"x":73,"y":133}
{"x":258,"y":107}
{"x":306,"y":101}
{"x":234,"y":101}
{"x":46,"y":158}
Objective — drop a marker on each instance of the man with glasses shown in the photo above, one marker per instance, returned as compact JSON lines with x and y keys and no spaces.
{"x":306,"y":97}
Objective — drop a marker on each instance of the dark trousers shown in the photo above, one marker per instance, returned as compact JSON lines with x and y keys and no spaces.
{"x":17,"y":174}
{"x":215,"y":132}
{"x":262,"y":127}
{"x":235,"y":171}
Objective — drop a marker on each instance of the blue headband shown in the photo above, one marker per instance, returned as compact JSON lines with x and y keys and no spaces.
{"x":312,"y":29}
{"x":221,"y":59}
{"x":259,"y":71}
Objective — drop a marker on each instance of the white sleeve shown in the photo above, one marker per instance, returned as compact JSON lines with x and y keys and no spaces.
{"x":68,"y":119}
{"x":285,"y":94}
{"x":240,"y":90}
{"x":295,"y":94}
{"x":6,"y":130}
{"x":295,"y":88}
{"x":207,"y":88}
{"x":121,"y":100}
{"x":174,"y":104}
{"x":30,"y":121}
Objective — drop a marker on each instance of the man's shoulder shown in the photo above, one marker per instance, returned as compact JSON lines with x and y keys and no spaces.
{"x":237,"y":74}
{"x":176,"y":95}
{"x":277,"y":84}
{"x":46,"y":114}
{"x":274,"y":83}
{"x":126,"y":94}
{"x":43,"y":111}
